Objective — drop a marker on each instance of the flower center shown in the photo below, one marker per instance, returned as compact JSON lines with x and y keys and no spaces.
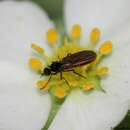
{"x":86,"y":77}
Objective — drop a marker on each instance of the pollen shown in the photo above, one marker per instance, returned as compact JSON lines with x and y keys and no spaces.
{"x":41,"y":84}
{"x":75,"y":31}
{"x":35,"y":64}
{"x":88,"y":86}
{"x":37,"y":48}
{"x":52,"y":36}
{"x":95,"y":35}
{"x":106,"y":48}
{"x":60,"y":92}
{"x":102,"y":71}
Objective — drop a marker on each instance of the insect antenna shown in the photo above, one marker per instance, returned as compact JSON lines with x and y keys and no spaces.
{"x":47,"y":82}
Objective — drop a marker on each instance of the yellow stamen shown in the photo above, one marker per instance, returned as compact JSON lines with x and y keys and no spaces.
{"x":106,"y":48}
{"x":60,"y":92}
{"x":35,"y":64}
{"x":37,"y":48}
{"x":75,"y":31}
{"x":52,"y":36}
{"x":88,"y":86}
{"x":102,"y":71}
{"x":42,"y":85}
{"x":95,"y":35}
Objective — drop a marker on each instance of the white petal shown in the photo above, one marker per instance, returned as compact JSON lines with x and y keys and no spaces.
{"x":97,"y":111}
{"x":21,"y":23}
{"x":22,"y":107}
{"x":118,"y":80}
{"x":120,"y":37}
{"x":114,"y":20}
{"x":106,"y":14}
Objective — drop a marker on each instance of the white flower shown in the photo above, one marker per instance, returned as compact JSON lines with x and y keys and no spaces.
{"x":22,"y":107}
{"x":113,"y":18}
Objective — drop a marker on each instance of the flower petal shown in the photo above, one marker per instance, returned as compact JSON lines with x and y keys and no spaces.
{"x":120,"y":37}
{"x":107,"y":15}
{"x":118,"y":80}
{"x":21,"y":24}
{"x":114,"y":20}
{"x":96,"y":111}
{"x":22,"y":107}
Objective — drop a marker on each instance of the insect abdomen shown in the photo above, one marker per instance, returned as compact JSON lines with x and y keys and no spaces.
{"x":79,"y":59}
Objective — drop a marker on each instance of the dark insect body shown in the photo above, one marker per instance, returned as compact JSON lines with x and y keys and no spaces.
{"x":68,"y":63}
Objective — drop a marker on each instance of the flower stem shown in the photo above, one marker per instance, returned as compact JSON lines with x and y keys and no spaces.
{"x":55,"y":106}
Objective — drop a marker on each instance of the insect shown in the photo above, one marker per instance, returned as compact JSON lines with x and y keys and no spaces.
{"x":68,"y":63}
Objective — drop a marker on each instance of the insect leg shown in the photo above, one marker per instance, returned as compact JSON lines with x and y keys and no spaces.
{"x":47,"y":82}
{"x":76,"y":73}
{"x":61,"y":77}
{"x":66,"y":81}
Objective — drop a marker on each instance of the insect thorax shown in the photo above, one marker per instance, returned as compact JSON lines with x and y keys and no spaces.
{"x":55,"y":66}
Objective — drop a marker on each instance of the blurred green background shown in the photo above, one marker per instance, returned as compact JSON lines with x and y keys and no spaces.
{"x":55,"y":8}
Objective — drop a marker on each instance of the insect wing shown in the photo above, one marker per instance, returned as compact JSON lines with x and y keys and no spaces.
{"x":79,"y":59}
